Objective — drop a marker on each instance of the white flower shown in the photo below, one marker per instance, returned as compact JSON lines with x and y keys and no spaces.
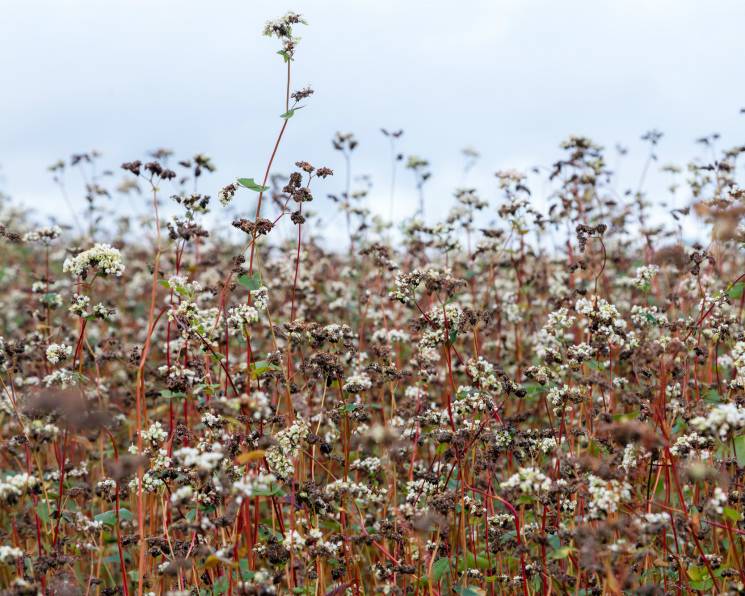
{"x":241,"y":316}
{"x":203,"y":460}
{"x":260,"y":298}
{"x":58,"y":352}
{"x":606,"y":495}
{"x":529,"y":480}
{"x":722,"y":421}
{"x":257,"y":484}
{"x":43,"y":235}
{"x":182,"y":495}
{"x":10,"y":554}
{"x":79,"y":305}
{"x":644,"y":276}
{"x":155,"y":434}
{"x":357,"y":383}
{"x":106,"y":259}
{"x":280,"y":456}
{"x":718,"y":501}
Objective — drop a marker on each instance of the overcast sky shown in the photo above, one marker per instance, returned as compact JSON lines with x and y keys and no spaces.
{"x":510,"y":78}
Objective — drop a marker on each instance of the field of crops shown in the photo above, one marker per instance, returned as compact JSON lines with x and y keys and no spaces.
{"x":189,"y":405}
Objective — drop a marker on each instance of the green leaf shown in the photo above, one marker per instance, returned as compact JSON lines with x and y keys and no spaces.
{"x":260,"y":367}
{"x":251,"y":184}
{"x":440,"y":567}
{"x":268,"y":492}
{"x":109,"y":517}
{"x":220,"y":586}
{"x":735,"y":292}
{"x":473,"y":562}
{"x":732,"y":514}
{"x":712,"y":397}
{"x":467,"y":591}
{"x":288,"y":114}
{"x":740,"y":450}
{"x":561,"y":553}
{"x":697,"y":573}
{"x":252,"y":282}
{"x":168,"y":394}
{"x":42,"y":510}
{"x":246,"y":573}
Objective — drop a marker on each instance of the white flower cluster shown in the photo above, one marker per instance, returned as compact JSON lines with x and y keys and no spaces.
{"x":530,"y":480}
{"x":562,"y":396}
{"x":406,"y":285}
{"x":435,"y":334}
{"x":357,"y":383}
{"x":630,"y":457}
{"x":580,"y":352}
{"x":546,"y":445}
{"x":502,"y":439}
{"x":469,"y":400}
{"x":43,"y":235}
{"x":559,"y":320}
{"x":42,"y":432}
{"x":260,"y":298}
{"x":182,"y":495}
{"x":606,"y":496}
{"x":369,"y":465}
{"x":420,"y":489}
{"x":358,"y":491}
{"x":156,"y":434}
{"x":182,"y":286}
{"x":14,"y":487}
{"x":321,"y":546}
{"x":483,"y":374}
{"x":84,"y":523}
{"x":611,"y":323}
{"x":390,"y":336}
{"x":79,"y":305}
{"x":511,"y":308}
{"x":738,"y":362}
{"x":718,"y":501}
{"x":104,"y":258}
{"x":206,"y":458}
{"x":646,"y":316}
{"x":241,"y":316}
{"x":58,"y":352}
{"x":651,"y":523}
{"x":150,"y":483}
{"x":254,"y":485}
{"x":280,"y":456}
{"x":552,"y":335}
{"x":691,"y":443}
{"x":722,"y":421}
{"x":10,"y":554}
{"x":644,"y":276}
{"x":200,"y":321}
{"x":259,"y":405}
{"x":62,"y":378}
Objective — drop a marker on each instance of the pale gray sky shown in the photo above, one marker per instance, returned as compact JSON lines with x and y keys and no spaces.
{"x":511,"y":78}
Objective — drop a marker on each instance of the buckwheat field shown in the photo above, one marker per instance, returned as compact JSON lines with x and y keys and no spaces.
{"x":189,"y":405}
